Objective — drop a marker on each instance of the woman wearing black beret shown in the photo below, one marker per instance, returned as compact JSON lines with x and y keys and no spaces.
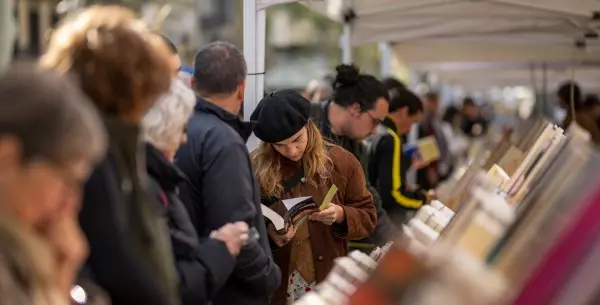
{"x":292,"y":144}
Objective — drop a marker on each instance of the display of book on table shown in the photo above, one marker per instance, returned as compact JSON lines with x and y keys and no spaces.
{"x":503,"y":235}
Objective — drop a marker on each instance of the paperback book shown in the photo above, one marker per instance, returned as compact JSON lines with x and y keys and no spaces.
{"x":298,"y":210}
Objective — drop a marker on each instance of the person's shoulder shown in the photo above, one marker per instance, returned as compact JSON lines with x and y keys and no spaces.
{"x":336,"y":151}
{"x":342,"y":158}
{"x":212,"y":130}
{"x":386,"y":138}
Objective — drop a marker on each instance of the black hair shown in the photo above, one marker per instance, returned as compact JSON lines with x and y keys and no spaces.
{"x":352,"y":87}
{"x":219,"y":69}
{"x":450,"y":114}
{"x":402,"y":97}
{"x":564,"y":94}
{"x":591,"y":101}
{"x":170,"y":45}
{"x":391,"y":82}
{"x":468,"y":101}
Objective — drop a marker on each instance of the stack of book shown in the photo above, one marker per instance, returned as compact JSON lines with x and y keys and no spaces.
{"x":518,"y":224}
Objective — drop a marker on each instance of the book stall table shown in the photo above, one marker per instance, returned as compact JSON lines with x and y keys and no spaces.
{"x":514,"y":210}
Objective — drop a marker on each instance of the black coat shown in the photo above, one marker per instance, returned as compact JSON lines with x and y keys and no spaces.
{"x":203,"y":266}
{"x":114,"y":263}
{"x":222,"y":189}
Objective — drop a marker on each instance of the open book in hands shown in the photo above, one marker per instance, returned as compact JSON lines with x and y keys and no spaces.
{"x":298,"y":210}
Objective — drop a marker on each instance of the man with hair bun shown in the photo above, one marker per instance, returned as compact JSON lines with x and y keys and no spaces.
{"x":359,"y":104}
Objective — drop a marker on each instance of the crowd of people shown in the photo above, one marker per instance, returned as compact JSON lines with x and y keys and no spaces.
{"x":122,"y":183}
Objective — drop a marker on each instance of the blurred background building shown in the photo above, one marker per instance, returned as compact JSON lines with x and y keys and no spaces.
{"x":302,"y":45}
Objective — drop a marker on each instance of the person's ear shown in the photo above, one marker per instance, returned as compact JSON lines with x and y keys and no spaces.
{"x":241,"y":90}
{"x":193,"y":83}
{"x":354,"y":109}
{"x":10,"y":156}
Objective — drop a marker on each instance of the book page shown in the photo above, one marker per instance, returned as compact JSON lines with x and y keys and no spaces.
{"x":277,"y":220}
{"x":428,"y":149}
{"x":290,"y":203}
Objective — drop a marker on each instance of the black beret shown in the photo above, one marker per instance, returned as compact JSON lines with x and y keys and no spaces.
{"x":280,"y":115}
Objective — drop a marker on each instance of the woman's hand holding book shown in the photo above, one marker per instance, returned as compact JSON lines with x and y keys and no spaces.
{"x":281,"y":239}
{"x":334,"y":213}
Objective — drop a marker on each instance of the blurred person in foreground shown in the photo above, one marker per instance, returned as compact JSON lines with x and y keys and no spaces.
{"x":123,"y":68}
{"x":358,"y":105}
{"x":294,"y":147}
{"x":203,"y":266}
{"x":569,"y":98}
{"x":50,"y":139}
{"x":222,"y":186}
{"x":388,"y":165}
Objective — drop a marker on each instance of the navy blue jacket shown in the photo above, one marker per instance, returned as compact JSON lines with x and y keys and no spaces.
{"x":222,"y":189}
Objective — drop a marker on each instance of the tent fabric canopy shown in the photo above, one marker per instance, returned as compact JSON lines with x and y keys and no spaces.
{"x":468,"y":30}
{"x":435,"y":32}
{"x":406,"y":21}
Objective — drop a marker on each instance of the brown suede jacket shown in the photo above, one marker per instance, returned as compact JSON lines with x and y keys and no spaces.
{"x":315,"y":247}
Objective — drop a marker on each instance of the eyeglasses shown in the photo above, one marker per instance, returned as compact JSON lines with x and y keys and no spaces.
{"x":374,"y":121}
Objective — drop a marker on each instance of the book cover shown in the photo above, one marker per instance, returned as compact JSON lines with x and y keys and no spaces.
{"x":297,"y":209}
{"x":428,"y":149}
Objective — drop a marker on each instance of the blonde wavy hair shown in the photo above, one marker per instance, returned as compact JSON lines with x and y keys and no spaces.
{"x":316,"y":161}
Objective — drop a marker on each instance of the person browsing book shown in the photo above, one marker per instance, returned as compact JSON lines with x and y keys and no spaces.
{"x":292,"y":161}
{"x":358,"y":104}
{"x":388,"y":164}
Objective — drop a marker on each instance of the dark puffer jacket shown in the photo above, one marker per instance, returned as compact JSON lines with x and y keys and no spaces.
{"x":203,"y":266}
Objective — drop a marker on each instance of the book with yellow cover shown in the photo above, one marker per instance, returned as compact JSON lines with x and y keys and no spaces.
{"x":428,"y":149}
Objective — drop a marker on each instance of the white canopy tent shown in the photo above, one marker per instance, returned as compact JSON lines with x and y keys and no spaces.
{"x":459,"y":30}
{"x":442,"y":31}
{"x":430,"y":32}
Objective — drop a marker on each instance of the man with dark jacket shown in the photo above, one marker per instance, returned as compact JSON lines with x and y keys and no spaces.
{"x":387,"y":163}
{"x":222,"y":186}
{"x":321,"y":115}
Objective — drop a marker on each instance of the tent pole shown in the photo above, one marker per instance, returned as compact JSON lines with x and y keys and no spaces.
{"x":7,"y":33}
{"x":545,"y":88}
{"x":385,"y":61}
{"x":254,"y":52}
{"x":346,"y":43}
